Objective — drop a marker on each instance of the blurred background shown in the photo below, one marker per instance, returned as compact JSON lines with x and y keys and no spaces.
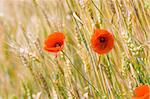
{"x":24,"y":25}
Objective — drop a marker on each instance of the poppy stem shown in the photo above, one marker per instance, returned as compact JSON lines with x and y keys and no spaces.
{"x":80,"y":72}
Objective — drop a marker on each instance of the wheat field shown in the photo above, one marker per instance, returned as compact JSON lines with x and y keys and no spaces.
{"x":27,"y":71}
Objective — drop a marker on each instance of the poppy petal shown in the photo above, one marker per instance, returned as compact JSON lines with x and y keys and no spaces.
{"x":141,"y":90}
{"x":102,"y":41}
{"x":54,"y":42}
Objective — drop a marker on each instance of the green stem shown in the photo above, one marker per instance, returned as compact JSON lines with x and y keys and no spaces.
{"x":80,"y":72}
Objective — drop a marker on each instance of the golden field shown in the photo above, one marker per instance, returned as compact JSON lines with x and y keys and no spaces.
{"x":27,"y":71}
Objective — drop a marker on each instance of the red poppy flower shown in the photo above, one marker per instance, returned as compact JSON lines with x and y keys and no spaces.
{"x":102,"y":41}
{"x":142,"y":92}
{"x":55,"y":42}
